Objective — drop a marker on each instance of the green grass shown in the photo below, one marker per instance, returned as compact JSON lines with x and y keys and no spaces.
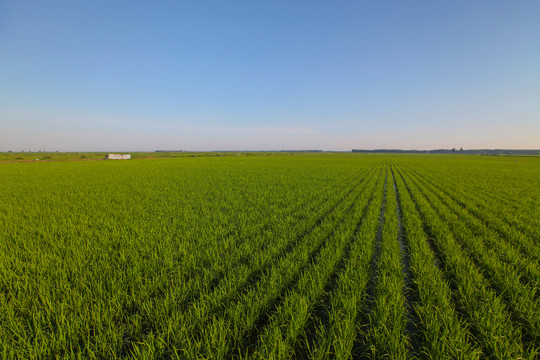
{"x":32,"y":156}
{"x":269,"y":256}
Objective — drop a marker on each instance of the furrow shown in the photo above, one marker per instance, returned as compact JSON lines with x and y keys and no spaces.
{"x":413,"y":322}
{"x":361,"y":342}
{"x":441,"y":331}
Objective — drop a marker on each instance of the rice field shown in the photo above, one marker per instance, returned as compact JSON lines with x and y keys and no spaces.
{"x":327,"y":256}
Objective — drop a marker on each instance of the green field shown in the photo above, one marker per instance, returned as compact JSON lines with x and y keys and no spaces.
{"x":327,"y":256}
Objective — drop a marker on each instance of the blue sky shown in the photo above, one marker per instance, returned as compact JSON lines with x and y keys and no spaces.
{"x":211,"y":75}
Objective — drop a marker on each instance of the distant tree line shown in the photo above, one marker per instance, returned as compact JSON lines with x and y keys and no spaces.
{"x":451,"y":151}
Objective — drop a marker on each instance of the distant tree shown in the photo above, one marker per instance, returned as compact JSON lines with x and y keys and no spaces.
{"x":453,"y":149}
{"x":460,"y":149}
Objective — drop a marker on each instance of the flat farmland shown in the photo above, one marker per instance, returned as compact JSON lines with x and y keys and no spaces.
{"x":310,"y":256}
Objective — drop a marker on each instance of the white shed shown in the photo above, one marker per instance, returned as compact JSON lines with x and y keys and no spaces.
{"x":118,"y":156}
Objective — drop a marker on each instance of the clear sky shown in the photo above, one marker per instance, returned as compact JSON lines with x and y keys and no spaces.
{"x":246,"y":75}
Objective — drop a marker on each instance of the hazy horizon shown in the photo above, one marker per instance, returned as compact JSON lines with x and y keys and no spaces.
{"x":134,"y":76}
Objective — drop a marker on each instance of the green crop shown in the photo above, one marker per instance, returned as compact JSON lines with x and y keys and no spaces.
{"x":326,"y":256}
